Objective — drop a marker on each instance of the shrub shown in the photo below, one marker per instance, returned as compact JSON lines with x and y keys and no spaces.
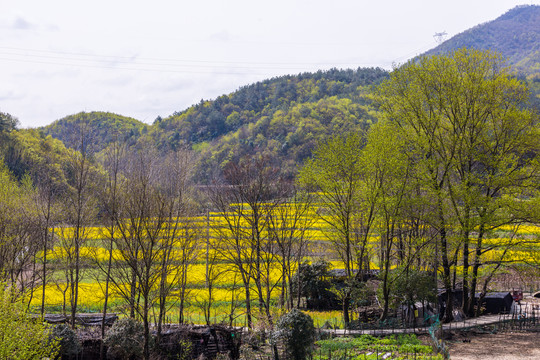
{"x":68,"y":344}
{"x":125,"y":340}
{"x":296,"y":332}
{"x":177,"y":346}
{"x":21,"y":337}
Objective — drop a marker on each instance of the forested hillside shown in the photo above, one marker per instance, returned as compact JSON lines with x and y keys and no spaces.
{"x":42,"y":159}
{"x":105,"y":127}
{"x":283,"y":118}
{"x":516,"y":35}
{"x":210,"y":119}
{"x":290,"y":116}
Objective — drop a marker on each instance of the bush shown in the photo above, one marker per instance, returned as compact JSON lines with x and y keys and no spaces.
{"x":22,"y":337}
{"x":68,"y":343}
{"x":125,"y":340}
{"x":296,"y":332}
{"x":176,"y":346}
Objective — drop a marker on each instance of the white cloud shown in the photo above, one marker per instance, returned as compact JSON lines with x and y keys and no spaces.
{"x":22,"y":24}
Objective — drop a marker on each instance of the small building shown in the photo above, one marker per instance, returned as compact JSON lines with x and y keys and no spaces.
{"x":496,"y":302}
{"x":419,"y":314}
{"x":493,"y":302}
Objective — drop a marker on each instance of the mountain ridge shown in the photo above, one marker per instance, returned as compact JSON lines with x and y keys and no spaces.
{"x":515,"y":34}
{"x":283,"y":118}
{"x":286,"y":117}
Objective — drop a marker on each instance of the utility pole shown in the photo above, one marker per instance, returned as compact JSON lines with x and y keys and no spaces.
{"x":440,"y":37}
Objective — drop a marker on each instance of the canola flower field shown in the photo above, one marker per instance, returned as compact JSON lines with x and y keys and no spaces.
{"x":516,"y":244}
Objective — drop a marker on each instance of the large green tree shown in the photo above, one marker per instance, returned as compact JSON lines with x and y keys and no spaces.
{"x":473,"y":141}
{"x":337,"y":175}
{"x":388,"y":184}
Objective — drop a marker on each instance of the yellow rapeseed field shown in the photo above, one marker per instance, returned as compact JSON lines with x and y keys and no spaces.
{"x":227,"y":284}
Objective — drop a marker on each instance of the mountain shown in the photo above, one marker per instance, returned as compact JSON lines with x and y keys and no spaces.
{"x":516,"y":35}
{"x":283,"y":118}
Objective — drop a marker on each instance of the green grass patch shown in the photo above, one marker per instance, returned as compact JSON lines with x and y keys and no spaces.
{"x":405,"y":346}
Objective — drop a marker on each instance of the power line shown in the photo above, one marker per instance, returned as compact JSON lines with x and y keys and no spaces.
{"x":167,"y":61}
{"x":167,"y":65}
{"x":126,"y":68}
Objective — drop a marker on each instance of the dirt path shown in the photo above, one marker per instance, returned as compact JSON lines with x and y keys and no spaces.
{"x":507,"y":346}
{"x":468,"y":323}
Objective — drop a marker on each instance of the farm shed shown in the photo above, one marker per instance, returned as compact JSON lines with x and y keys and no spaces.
{"x":418,"y":313}
{"x":84,"y":319}
{"x":205,"y":340}
{"x":496,"y":302}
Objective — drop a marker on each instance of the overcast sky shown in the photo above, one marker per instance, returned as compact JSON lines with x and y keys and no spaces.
{"x":148,"y":58}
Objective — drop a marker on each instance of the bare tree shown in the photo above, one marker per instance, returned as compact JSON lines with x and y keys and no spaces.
{"x":47,"y":217}
{"x":80,"y":207}
{"x":152,"y":222}
{"x":109,"y":199}
{"x":180,"y":233}
{"x":139,"y":223}
{"x":289,"y":223}
{"x":244,"y":200}
{"x":213,"y":272}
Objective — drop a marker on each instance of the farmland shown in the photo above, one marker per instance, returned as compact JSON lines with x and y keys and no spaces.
{"x":225,"y":303}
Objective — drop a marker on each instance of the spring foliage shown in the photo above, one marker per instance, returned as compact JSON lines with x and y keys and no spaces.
{"x":21,"y":337}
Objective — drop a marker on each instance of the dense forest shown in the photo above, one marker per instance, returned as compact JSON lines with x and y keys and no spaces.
{"x":286,"y":117}
{"x":283,"y":118}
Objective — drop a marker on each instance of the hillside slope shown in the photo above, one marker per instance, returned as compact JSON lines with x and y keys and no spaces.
{"x":105,"y":128}
{"x":516,"y":35}
{"x":283,"y":118}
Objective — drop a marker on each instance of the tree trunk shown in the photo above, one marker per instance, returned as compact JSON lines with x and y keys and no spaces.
{"x":146,"y":351}
{"x":465,"y":299}
{"x":345,"y":303}
{"x":248,"y":307}
{"x":448,"y":316}
{"x":105,"y":302}
{"x":474,"y":275}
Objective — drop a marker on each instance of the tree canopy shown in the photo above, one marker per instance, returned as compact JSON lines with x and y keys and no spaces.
{"x":473,"y":142}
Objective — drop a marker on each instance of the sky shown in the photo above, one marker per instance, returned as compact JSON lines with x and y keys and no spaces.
{"x":145,"y":59}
